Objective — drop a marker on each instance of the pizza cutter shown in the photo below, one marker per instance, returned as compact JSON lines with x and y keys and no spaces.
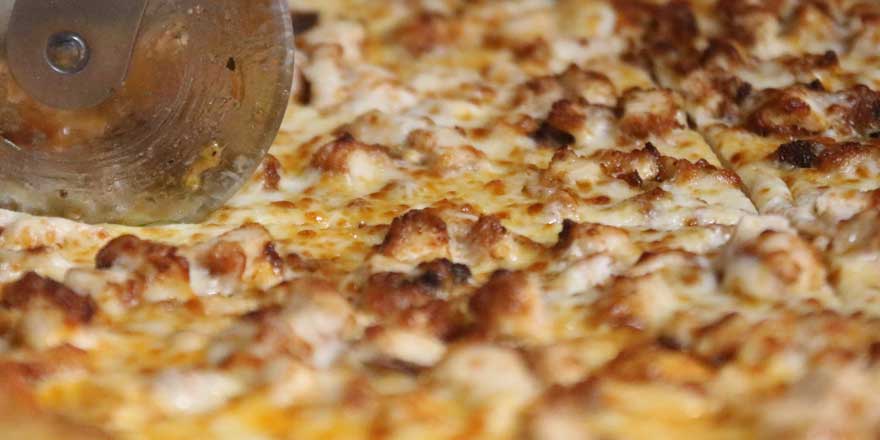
{"x":138,"y":111}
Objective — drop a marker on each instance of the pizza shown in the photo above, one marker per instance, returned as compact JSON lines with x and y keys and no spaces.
{"x":531,"y":219}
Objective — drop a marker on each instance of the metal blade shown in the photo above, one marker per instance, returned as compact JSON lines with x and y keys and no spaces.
{"x":205,"y":93}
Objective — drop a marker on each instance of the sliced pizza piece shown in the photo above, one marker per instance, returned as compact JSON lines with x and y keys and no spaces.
{"x":805,"y":152}
{"x":781,"y":108}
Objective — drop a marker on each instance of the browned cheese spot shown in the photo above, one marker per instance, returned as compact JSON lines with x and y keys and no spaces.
{"x":77,"y":308}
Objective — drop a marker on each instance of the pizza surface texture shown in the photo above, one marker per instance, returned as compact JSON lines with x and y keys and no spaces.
{"x":525,"y":219}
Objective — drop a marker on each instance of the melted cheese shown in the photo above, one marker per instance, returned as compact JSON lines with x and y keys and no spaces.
{"x":487,"y":220}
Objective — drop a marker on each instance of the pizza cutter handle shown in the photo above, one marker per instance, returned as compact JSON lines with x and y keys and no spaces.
{"x":70,"y":54}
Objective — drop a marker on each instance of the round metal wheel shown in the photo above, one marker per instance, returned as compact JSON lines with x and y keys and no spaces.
{"x":203,"y":99}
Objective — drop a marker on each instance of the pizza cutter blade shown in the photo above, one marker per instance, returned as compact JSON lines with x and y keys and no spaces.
{"x":138,"y":111}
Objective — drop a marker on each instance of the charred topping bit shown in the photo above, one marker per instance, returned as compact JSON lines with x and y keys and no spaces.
{"x":409,"y":303}
{"x":274,"y":259}
{"x":304,"y":21}
{"x":783,"y":113}
{"x":297,"y":263}
{"x":535,"y":51}
{"x":794,"y":112}
{"x":443,"y":273}
{"x":811,"y":63}
{"x":271,"y":174}
{"x":417,"y":231}
{"x":460,"y":273}
{"x":743,"y":92}
{"x":799,"y":153}
{"x":865,"y":111}
{"x":77,"y":308}
{"x":721,"y":49}
{"x":591,"y":86}
{"x":674,"y":24}
{"x":673,"y":29}
{"x":432,"y":280}
{"x":500,"y":292}
{"x":225,"y":258}
{"x":735,"y":91}
{"x":304,"y":93}
{"x":828,"y":59}
{"x":572,"y":231}
{"x":510,"y":307}
{"x":550,"y":136}
{"x":162,"y":258}
{"x":649,"y":112}
{"x":335,"y":156}
{"x":426,"y":32}
{"x":741,"y":19}
{"x":487,"y":231}
{"x":624,"y":166}
{"x":631,"y":178}
{"x":683,"y":171}
{"x":566,"y":115}
{"x":387,"y":293}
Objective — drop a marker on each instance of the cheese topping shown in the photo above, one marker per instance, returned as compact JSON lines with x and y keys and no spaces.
{"x":523,"y":219}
